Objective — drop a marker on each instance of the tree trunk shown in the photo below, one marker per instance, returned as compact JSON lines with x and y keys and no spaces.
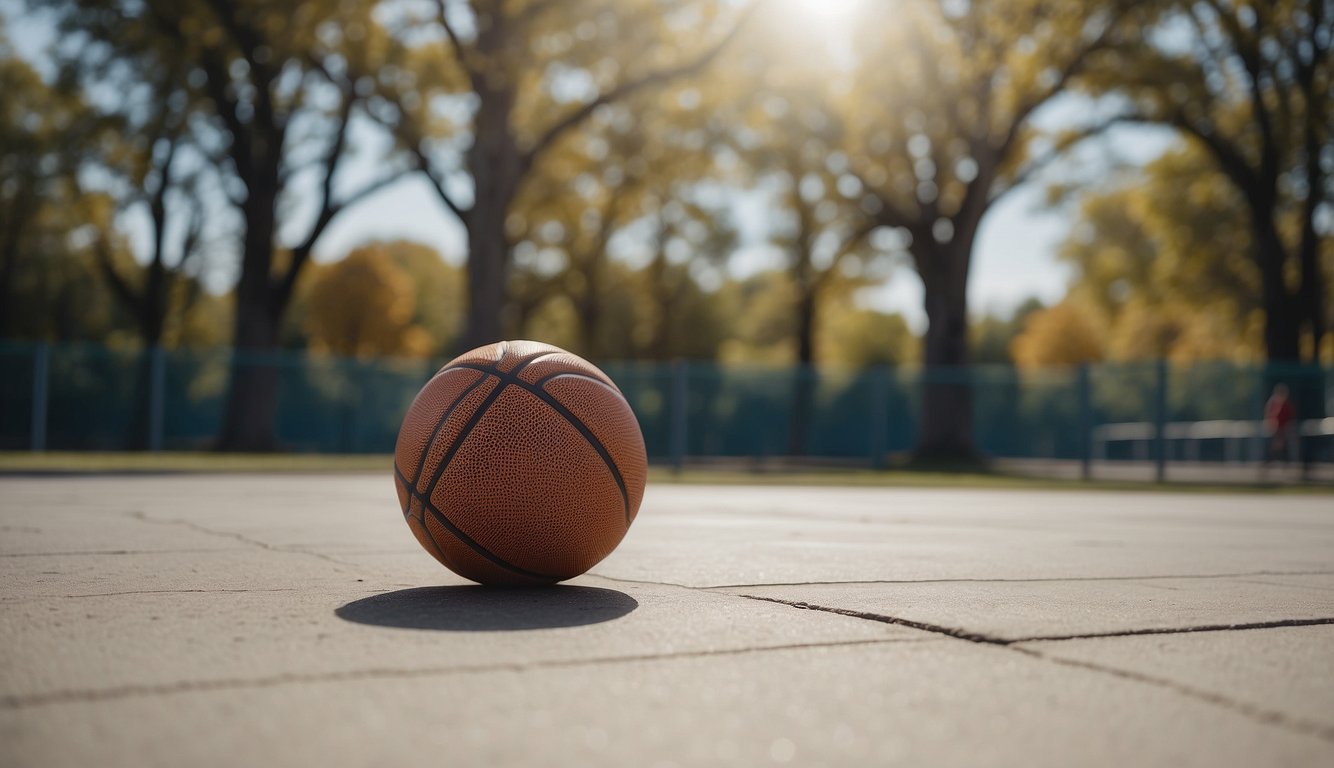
{"x":590,"y":311}
{"x":11,"y":236}
{"x":495,"y":163}
{"x":488,"y":272}
{"x":1313,"y":288}
{"x":804,"y":376}
{"x":252,"y":398}
{"x":151,"y":323}
{"x":664,"y":295}
{"x":1282,"y":332}
{"x":946,"y":429}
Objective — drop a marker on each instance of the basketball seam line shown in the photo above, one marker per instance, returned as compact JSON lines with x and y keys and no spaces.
{"x":462,"y":436}
{"x":439,"y":424}
{"x":573,"y":420}
{"x":494,"y":368}
{"x":440,"y":518}
{"x":472,"y":422}
{"x":426,"y":449}
{"x":439,"y":550}
{"x":574,"y":374}
{"x":487,"y":372}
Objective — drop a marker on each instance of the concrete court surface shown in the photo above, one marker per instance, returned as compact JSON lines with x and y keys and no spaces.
{"x":291,"y":620}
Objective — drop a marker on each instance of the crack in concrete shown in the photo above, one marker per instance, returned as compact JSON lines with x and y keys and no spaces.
{"x":1288,"y":585}
{"x":979,"y":637}
{"x":241,"y":537}
{"x":1238,"y":627}
{"x":29,"y":701}
{"x":645,"y":581}
{"x":1271,"y":716}
{"x":962,"y":634}
{"x":1245,"y":709}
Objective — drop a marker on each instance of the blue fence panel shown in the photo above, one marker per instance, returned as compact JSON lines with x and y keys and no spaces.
{"x":99,"y":398}
{"x":16,"y":395}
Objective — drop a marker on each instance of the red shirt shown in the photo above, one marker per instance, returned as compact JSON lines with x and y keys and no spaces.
{"x":1279,"y":413}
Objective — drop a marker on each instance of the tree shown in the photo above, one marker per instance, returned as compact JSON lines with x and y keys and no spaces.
{"x":277,"y":83}
{"x":563,"y":222}
{"x":363,"y":307}
{"x":1066,"y":334}
{"x":1164,"y":254}
{"x":990,"y":335}
{"x":940,"y":114}
{"x":438,"y":288}
{"x":506,"y":66}
{"x":859,"y":337}
{"x":1251,"y":85}
{"x":45,"y":130}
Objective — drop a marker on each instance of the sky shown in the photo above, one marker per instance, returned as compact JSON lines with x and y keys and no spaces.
{"x":1015,"y":257}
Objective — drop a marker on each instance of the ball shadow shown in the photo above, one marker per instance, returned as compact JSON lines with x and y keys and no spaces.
{"x":486,"y":609}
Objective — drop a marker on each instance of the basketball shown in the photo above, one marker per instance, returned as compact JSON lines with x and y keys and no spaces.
{"x":519,"y":464}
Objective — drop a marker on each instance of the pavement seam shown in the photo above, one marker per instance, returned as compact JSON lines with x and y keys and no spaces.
{"x":25,"y":598}
{"x":1270,"y":716}
{"x":979,"y":637}
{"x":1259,"y":714}
{"x":961,"y":634}
{"x":1238,"y":627}
{"x":1003,"y":581}
{"x":113,"y":552}
{"x":241,"y":537}
{"x":14,"y":702}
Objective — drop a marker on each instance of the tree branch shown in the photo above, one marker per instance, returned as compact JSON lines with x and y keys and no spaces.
{"x":890,"y":215}
{"x":416,"y":146}
{"x":1230,"y":158}
{"x":328,"y":209}
{"x":460,"y":52}
{"x":1068,"y":72}
{"x":626,"y":89}
{"x":119,"y":286}
{"x":844,"y":249}
{"x":424,"y":165}
{"x":249,"y":42}
{"x":1063,"y":145}
{"x":1248,"y":50}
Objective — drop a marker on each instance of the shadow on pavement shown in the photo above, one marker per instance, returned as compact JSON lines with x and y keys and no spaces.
{"x":487,"y":609}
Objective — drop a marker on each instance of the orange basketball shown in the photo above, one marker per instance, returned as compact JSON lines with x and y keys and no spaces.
{"x":521,"y":464}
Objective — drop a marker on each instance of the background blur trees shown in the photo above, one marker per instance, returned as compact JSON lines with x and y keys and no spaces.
{"x":1164,"y":257}
{"x":519,"y":78}
{"x":47,"y":221}
{"x":599,"y":156}
{"x":363,"y":306}
{"x":941,"y":105}
{"x":1251,"y":85}
{"x":272,"y":84}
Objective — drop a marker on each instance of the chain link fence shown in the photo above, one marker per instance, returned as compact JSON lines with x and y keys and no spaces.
{"x":93,"y":398}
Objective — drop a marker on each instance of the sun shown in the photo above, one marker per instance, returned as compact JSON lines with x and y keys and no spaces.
{"x":829,"y":13}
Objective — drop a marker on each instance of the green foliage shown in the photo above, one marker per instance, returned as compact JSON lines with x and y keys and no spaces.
{"x":858,"y":337}
{"x":1165,"y":256}
{"x":49,"y":287}
{"x":1249,"y":85}
{"x":1064,"y":335}
{"x":991,"y":335}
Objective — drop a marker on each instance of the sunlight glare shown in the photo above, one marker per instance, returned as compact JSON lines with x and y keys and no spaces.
{"x":827,"y":13}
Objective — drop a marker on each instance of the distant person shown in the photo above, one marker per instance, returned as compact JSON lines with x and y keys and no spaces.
{"x":1281,"y":425}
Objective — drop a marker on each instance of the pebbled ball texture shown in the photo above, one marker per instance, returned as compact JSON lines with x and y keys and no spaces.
{"x":519,"y":464}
